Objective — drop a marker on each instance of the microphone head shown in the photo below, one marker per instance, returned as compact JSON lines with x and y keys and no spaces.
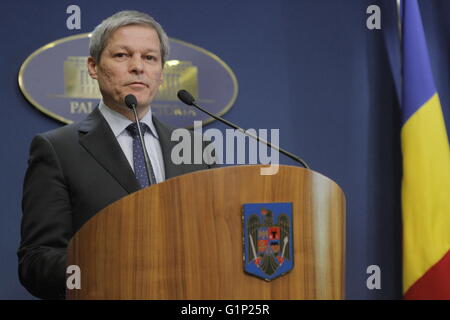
{"x":186,"y":97}
{"x":131,"y":101}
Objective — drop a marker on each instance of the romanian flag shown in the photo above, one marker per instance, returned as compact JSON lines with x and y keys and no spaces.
{"x":426,"y":170}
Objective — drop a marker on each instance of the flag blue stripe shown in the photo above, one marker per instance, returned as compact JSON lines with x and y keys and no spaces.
{"x":418,"y":83}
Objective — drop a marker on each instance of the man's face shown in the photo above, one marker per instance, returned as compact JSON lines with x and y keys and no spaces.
{"x":130,"y":63}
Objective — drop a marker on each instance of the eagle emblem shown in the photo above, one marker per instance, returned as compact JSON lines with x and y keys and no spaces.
{"x":268,"y":241}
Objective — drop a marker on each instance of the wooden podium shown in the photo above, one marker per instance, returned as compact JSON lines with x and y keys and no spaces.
{"x":183,"y":239}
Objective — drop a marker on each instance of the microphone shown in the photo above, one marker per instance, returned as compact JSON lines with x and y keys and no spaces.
{"x":188,"y":99}
{"x":131,"y":102}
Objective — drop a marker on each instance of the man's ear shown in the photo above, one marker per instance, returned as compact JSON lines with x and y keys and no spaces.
{"x":161,"y":77}
{"x":92,"y":67}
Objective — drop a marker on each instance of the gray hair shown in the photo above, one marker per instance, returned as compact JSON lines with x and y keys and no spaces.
{"x":103,"y":31}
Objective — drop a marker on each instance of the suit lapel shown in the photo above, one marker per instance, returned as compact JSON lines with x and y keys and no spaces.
{"x":164,"y":133}
{"x":99,"y":140}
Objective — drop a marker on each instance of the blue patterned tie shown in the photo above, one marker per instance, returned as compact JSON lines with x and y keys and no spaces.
{"x":138,"y":156}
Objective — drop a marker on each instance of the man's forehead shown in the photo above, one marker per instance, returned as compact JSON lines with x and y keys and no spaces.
{"x":123,"y":38}
{"x":141,"y":46}
{"x":134,"y":29}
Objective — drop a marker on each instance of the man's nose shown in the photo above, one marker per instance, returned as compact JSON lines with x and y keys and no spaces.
{"x":136,"y":64}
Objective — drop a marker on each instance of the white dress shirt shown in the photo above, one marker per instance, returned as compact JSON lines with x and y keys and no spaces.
{"x":118,"y":124}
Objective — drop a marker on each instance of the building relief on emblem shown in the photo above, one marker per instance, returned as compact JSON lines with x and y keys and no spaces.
{"x":178,"y":75}
{"x":77,"y":82}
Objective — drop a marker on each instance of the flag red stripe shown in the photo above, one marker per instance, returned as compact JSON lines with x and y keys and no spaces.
{"x":434,"y":284}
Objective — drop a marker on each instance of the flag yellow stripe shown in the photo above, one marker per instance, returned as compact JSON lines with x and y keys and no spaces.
{"x":425,"y":191}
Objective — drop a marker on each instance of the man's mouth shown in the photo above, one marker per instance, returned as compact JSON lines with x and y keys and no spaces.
{"x":137,"y":84}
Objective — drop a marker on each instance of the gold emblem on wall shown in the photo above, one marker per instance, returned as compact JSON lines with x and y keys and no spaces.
{"x":55,"y":80}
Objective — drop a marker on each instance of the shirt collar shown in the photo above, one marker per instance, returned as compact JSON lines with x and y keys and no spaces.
{"x":119,"y":122}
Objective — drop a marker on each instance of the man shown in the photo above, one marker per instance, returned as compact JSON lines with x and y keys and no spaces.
{"x":77,"y":170}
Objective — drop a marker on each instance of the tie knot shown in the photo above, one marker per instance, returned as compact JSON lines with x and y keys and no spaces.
{"x":133,"y":129}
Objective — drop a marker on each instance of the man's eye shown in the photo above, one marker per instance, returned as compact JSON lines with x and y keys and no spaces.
{"x":150,"y":57}
{"x":120,"y":55}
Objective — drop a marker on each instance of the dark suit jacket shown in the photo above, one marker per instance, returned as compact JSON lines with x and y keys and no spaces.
{"x":74,"y":172}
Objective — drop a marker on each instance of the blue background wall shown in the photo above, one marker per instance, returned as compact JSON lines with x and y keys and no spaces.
{"x":310,"y":68}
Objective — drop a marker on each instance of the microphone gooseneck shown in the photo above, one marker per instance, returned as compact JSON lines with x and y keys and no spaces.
{"x":131,"y":102}
{"x":188,"y":99}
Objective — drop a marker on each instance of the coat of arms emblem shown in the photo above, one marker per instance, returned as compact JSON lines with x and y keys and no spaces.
{"x":268,"y":241}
